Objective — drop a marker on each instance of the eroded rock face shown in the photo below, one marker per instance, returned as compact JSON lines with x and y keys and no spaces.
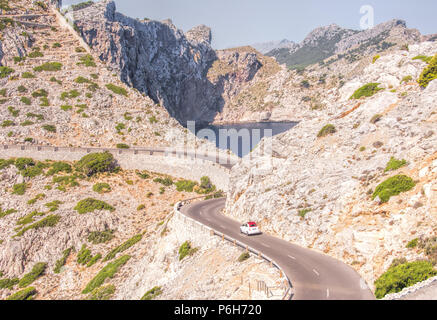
{"x":156,"y":58}
{"x":14,"y":43}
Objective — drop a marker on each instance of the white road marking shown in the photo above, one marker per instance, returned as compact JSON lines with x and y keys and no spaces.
{"x":327,"y":293}
{"x":222,"y":226}
{"x":315,"y":271}
{"x":291,"y":257}
{"x":265,"y":245}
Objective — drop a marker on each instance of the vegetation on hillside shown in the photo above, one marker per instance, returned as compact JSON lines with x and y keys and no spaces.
{"x":402,"y":276}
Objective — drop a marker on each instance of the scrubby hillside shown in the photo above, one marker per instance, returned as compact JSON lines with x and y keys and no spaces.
{"x":55,"y":92}
{"x":90,"y":230}
{"x":358,"y":180}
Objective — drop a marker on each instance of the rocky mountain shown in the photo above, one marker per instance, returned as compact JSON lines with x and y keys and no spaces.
{"x":266,"y":47}
{"x":324,"y":184}
{"x":334,"y":41}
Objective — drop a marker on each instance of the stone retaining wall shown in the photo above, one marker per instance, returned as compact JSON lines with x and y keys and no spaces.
{"x":186,"y":165}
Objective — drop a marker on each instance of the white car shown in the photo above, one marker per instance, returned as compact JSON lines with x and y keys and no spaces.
{"x":250,"y":228}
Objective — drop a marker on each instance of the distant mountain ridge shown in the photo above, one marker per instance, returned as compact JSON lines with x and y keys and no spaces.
{"x":266,"y":47}
{"x":331,"y":40}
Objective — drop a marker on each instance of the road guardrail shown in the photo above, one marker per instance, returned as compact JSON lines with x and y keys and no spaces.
{"x":289,"y":290}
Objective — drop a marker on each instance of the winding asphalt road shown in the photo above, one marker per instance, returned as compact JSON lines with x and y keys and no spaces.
{"x":314,"y":276}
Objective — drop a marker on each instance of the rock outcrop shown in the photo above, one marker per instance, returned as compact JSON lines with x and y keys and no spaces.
{"x":180,"y":71}
{"x":316,"y":191}
{"x":156,"y":58}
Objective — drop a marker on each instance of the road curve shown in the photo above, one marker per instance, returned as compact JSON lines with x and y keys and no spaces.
{"x":314,"y":276}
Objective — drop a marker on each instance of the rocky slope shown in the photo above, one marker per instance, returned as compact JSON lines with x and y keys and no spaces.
{"x":77,"y":101}
{"x":137,"y":221}
{"x":316,"y":191}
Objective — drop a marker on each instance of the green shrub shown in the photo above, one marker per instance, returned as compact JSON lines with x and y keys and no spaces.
{"x":186,"y":250}
{"x":393,"y":187}
{"x":97,"y":237}
{"x":87,"y":60}
{"x":39,"y":196}
{"x":81,"y":80}
{"x":70,"y":94}
{"x":425,"y":59}
{"x":406,"y":79}
{"x":376,"y":58}
{"x":215,"y":195}
{"x":164,"y":181}
{"x":123,"y":247}
{"x":94,"y":260}
{"x":395,"y":164}
{"x":143,"y":175}
{"x":66,"y":107}
{"x":367,"y":90}
{"x":117,"y":89}
{"x":376,"y":118}
{"x":8,"y":283}
{"x":96,"y":163}
{"x":19,"y":189}
{"x":122,"y":146}
{"x":56,"y":45}
{"x":29,"y":218}
{"x":58,"y":167}
{"x":6,"y":163}
{"x":14,"y":112}
{"x":26,"y":101}
{"x":90,"y":205}
{"x":61,"y":262}
{"x":40,"y":93}
{"x":119,"y":127}
{"x":28,"y":75}
{"x":153,"y":120}
{"x":39,"y":117}
{"x":152,"y":293}
{"x":65,"y":181}
{"x":429,"y":73}
{"x":103,"y":293}
{"x":53,"y":206}
{"x":35,"y":54}
{"x":3,"y":92}
{"x":84,"y":255}
{"x":101,"y":188}
{"x":141,"y":207}
{"x":243,"y":257}
{"x":49,"y":128}
{"x":326,"y":130}
{"x":107,"y":272}
{"x":49,"y":66}
{"x":7,"y":212}
{"x":5,"y":71}
{"x":25,"y":294}
{"x":49,"y":221}
{"x":403,"y":276}
{"x":7,"y":123}
{"x":185,"y":185}
{"x":27,"y":123}
{"x":413,"y":243}
{"x":79,"y":49}
{"x":53,"y":79}
{"x":37,"y":271}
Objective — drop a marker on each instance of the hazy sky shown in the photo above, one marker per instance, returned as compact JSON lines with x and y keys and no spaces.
{"x":242,"y":22}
